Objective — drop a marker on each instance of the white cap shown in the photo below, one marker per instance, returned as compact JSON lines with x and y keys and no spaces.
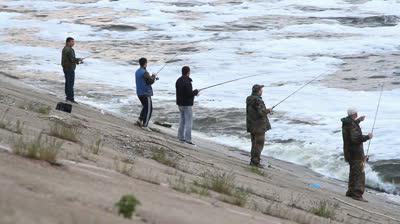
{"x":351,"y":111}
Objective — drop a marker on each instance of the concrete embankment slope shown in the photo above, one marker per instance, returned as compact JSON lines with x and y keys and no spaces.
{"x":174,"y":182}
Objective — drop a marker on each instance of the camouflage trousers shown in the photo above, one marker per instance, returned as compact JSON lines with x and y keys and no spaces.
{"x":356,"y":179}
{"x":257,"y":145}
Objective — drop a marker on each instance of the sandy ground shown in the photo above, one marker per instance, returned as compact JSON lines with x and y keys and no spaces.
{"x":84,"y":187}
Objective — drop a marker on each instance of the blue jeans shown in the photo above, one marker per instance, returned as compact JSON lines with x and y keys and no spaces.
{"x":69,"y":84}
{"x":185,"y":123}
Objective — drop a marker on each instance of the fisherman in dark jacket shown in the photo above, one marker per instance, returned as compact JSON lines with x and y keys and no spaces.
{"x":184,"y":99}
{"x":144,"y":92}
{"x":353,"y":140}
{"x":257,"y":123}
{"x":69,"y":62}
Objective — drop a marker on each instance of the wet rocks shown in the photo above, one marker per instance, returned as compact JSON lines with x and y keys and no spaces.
{"x":378,"y":77}
{"x":370,"y":21}
{"x":118,"y":27}
{"x":189,"y":49}
{"x":350,"y":79}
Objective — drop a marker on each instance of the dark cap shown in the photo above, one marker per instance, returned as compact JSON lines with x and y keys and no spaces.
{"x":257,"y":88}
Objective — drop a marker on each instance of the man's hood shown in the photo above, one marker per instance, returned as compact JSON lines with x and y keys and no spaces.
{"x":346,"y":120}
{"x":253,"y":97}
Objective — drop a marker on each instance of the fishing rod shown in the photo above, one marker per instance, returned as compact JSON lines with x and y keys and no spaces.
{"x":222,"y":83}
{"x":376,"y":114}
{"x":166,"y":62}
{"x":296,"y":91}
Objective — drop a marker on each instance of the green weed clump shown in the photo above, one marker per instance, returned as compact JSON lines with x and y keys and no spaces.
{"x":40,"y":148}
{"x":220,"y":182}
{"x":36,"y":107}
{"x":127,"y":205}
{"x":182,"y":186}
{"x":64,"y":131}
{"x":44,"y":110}
{"x":7,"y":125}
{"x":96,"y":146}
{"x":324,"y":209}
{"x":239,"y":198}
{"x":160,"y":156}
{"x":19,"y":126}
{"x":256,"y":170}
{"x":122,"y":167}
{"x":3,"y":123}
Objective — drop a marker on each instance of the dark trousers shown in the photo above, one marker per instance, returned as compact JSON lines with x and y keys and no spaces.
{"x":147,"y":109}
{"x":356,"y":186}
{"x":257,"y":145}
{"x":69,"y":84}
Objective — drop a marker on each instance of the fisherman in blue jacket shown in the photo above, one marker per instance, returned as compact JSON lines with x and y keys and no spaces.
{"x":144,"y":91}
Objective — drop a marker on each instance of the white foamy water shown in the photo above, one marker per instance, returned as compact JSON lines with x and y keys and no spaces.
{"x":287,"y":42}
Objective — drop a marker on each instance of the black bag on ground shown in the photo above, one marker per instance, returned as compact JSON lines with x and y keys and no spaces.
{"x":64,"y":107}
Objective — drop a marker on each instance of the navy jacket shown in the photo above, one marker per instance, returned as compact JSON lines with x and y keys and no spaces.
{"x":184,"y":91}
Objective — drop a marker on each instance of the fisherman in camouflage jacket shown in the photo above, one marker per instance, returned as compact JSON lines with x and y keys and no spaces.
{"x":257,"y":123}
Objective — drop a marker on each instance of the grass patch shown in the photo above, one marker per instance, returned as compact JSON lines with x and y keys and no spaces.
{"x":44,"y":110}
{"x":160,"y":156}
{"x":148,"y":179}
{"x":84,"y":153}
{"x":3,"y":123}
{"x":7,"y":124}
{"x":182,"y":186}
{"x":37,"y":108}
{"x":129,"y":159}
{"x":324,"y":209}
{"x":127,"y":205}
{"x":179,"y":185}
{"x":123,"y":167}
{"x":39,"y":148}
{"x":239,"y":197}
{"x":64,"y":131}
{"x":96,"y":145}
{"x":220,"y":182}
{"x":202,"y":191}
{"x":256,"y":170}
{"x":224,"y":183}
{"x":18,"y":127}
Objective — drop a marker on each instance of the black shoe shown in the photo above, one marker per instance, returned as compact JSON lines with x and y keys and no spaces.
{"x":190,"y":143}
{"x":258,"y":165}
{"x":359,"y":199}
{"x":139,"y":123}
{"x":72,"y":101}
{"x":181,"y":140}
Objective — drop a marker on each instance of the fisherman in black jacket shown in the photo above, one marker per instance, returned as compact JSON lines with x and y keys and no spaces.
{"x":184,"y":99}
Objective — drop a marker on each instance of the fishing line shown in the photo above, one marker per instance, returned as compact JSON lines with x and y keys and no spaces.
{"x":376,"y":114}
{"x":296,"y":91}
{"x":167,"y":62}
{"x":222,"y":83}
